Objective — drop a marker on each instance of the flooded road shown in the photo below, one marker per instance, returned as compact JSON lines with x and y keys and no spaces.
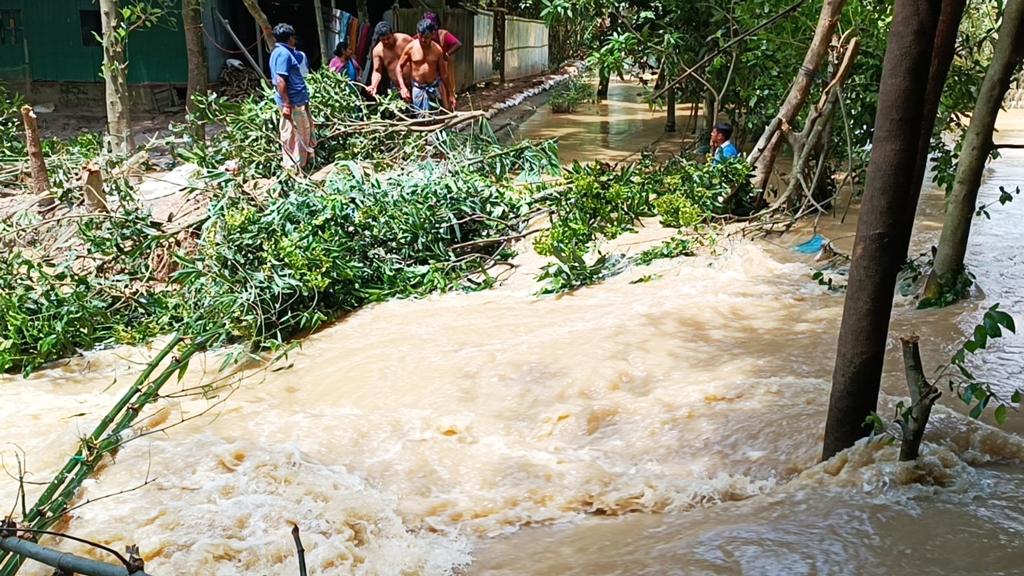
{"x":671,"y":426}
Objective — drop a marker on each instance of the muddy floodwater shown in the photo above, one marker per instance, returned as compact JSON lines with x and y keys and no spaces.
{"x":664,"y":427}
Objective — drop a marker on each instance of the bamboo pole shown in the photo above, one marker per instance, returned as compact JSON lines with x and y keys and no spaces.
{"x":105,"y":439}
{"x":62,"y":561}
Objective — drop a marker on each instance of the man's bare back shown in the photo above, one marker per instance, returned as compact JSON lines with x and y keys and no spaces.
{"x":386,"y":55}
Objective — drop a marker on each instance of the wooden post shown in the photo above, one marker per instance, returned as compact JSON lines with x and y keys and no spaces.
{"x":498,"y":55}
{"x":325,"y":53}
{"x":36,"y":162}
{"x":670,"y":110}
{"x":241,"y":46}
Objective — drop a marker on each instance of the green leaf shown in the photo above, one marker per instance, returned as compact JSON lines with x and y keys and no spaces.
{"x":1004,"y":319}
{"x":991,"y":326}
{"x":1001,"y":414}
{"x":980,"y":336}
{"x":977,"y":410}
{"x":1015,"y":397}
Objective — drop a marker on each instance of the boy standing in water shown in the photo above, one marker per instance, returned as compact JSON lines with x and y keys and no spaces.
{"x":429,"y":68}
{"x":721,"y":143}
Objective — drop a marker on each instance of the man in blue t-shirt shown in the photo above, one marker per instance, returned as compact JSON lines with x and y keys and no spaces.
{"x":721,"y":143}
{"x":292,"y":96}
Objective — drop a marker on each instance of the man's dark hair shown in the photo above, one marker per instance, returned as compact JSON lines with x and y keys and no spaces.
{"x":425,"y":27}
{"x":339,"y":50}
{"x":725,"y":129}
{"x":383,"y":29}
{"x":283,"y":32}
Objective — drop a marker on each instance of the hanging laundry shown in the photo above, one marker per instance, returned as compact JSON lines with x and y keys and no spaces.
{"x":353,"y":32}
{"x":363,"y":46}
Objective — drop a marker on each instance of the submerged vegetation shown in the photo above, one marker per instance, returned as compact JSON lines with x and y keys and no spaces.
{"x":599,"y":202}
{"x":573,"y":94}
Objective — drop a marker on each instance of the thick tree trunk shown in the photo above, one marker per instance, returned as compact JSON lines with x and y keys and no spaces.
{"x":36,"y":162}
{"x":198,"y":73}
{"x":882,"y":233}
{"x":977,"y":144}
{"x":923,"y":396}
{"x":118,"y":100}
{"x":943,"y":51}
{"x":767,"y":148}
{"x":261,"y":20}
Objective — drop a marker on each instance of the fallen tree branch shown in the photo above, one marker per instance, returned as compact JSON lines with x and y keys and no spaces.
{"x":299,"y":550}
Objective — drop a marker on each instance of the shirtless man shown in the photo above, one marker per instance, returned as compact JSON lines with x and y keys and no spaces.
{"x":386,"y":55}
{"x":429,"y":69}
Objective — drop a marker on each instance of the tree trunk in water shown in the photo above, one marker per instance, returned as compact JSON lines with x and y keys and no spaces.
{"x":977,"y":144}
{"x":882,"y":233}
{"x":767,"y":148}
{"x":115,"y":69}
{"x":325,"y":53}
{"x":36,"y":162}
{"x":198,"y":73}
{"x":604,"y":78}
{"x":923,"y":396}
{"x":670,"y":110}
{"x":943,"y":51}
{"x":261,"y":20}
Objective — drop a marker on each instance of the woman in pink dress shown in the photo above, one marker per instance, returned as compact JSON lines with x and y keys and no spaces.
{"x":450,"y":44}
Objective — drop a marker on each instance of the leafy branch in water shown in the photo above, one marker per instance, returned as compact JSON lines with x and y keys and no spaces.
{"x":960,"y":379}
{"x":957,"y":376}
{"x":601,"y":202}
{"x":674,"y":247}
{"x":1005,"y":197}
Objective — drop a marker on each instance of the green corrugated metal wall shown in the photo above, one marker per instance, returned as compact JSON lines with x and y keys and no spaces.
{"x":57,"y":51}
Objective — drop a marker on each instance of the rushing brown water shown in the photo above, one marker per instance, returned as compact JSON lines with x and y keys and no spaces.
{"x":671,"y":426}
